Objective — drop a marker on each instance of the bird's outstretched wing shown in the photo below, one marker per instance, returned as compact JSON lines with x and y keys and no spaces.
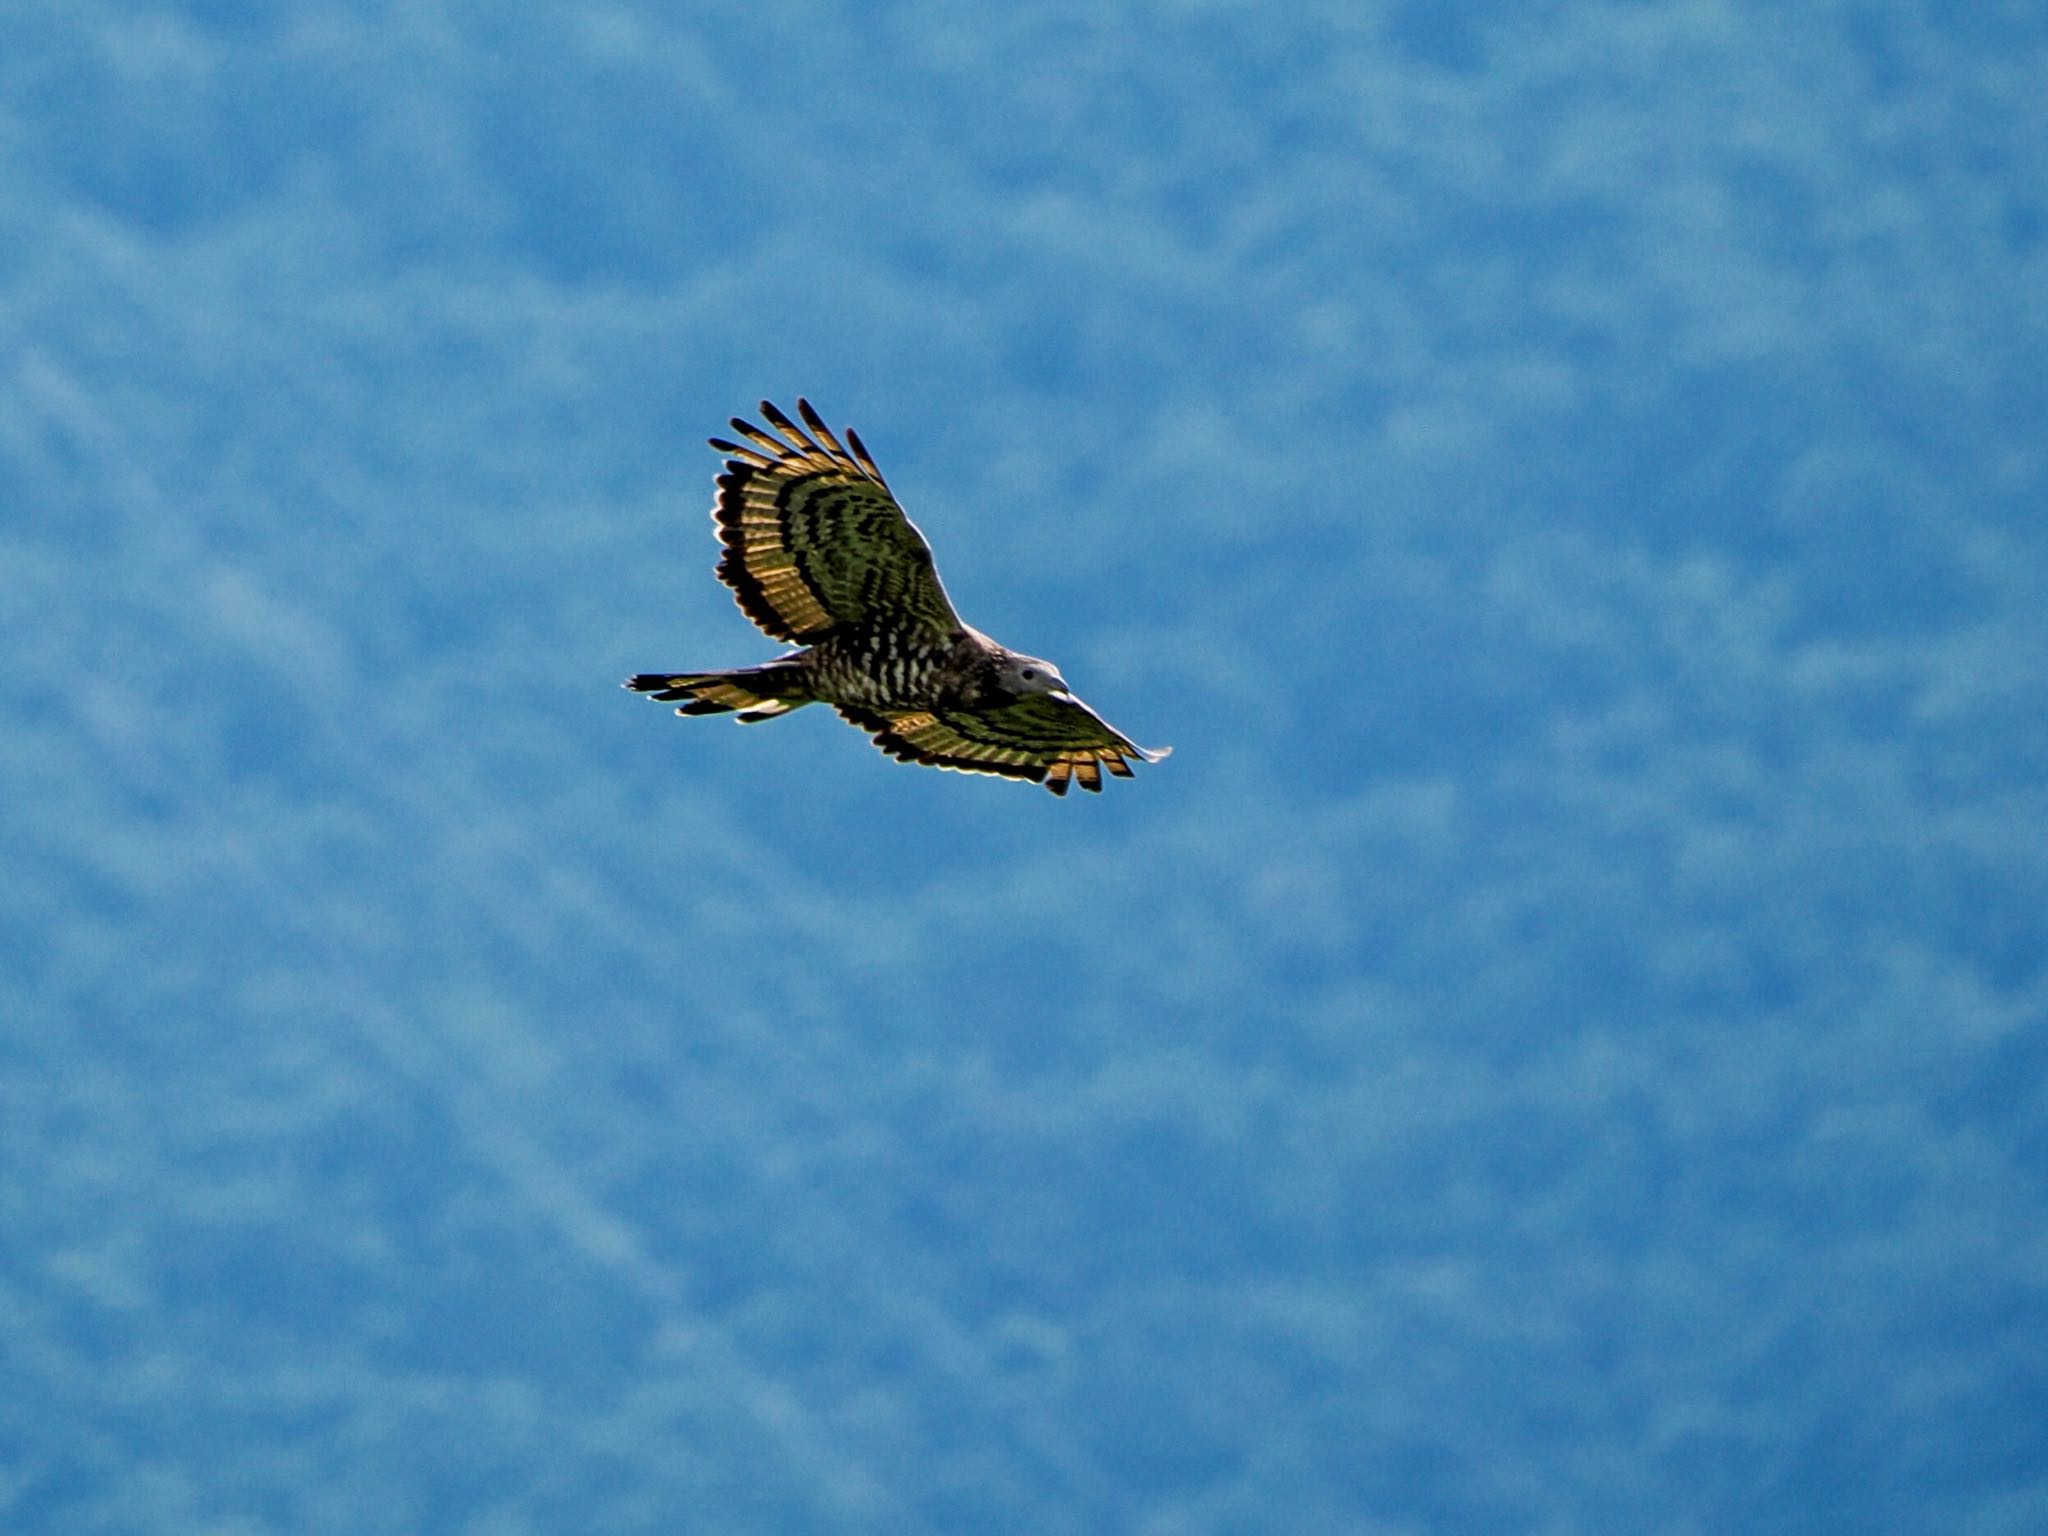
{"x":813,"y":538}
{"x":1052,"y":738}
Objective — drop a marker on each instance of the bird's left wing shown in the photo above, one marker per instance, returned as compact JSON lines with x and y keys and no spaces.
{"x":1050,"y":738}
{"x":814,"y":539}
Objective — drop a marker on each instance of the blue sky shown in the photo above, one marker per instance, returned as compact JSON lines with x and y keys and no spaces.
{"x":1559,"y":1047}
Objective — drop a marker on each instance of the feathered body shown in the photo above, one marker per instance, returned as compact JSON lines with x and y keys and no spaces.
{"x":880,"y":667}
{"x":817,"y":551}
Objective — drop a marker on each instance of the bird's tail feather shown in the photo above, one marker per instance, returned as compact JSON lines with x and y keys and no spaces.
{"x":753,"y":693}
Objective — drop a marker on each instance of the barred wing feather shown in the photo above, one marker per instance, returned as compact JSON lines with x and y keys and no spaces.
{"x":814,"y":539}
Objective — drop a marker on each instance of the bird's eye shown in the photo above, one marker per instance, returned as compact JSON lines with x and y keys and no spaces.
{"x":1031,"y":674}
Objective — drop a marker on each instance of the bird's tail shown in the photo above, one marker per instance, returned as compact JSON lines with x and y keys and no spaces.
{"x":754,"y":693}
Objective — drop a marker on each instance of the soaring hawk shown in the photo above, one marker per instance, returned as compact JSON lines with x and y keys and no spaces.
{"x":818,"y":552}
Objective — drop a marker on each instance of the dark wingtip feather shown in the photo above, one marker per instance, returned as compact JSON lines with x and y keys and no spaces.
{"x":865,"y":459}
{"x":779,"y":421}
{"x":823,"y":434}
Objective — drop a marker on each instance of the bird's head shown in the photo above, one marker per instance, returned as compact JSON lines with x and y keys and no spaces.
{"x":1027,"y":674}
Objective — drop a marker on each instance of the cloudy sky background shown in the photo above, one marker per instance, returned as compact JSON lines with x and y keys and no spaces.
{"x":1561,"y":1047}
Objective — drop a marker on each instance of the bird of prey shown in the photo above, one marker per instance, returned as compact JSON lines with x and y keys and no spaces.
{"x":818,"y":553}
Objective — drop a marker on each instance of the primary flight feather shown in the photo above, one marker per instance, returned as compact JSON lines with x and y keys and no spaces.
{"x":818,"y":552}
